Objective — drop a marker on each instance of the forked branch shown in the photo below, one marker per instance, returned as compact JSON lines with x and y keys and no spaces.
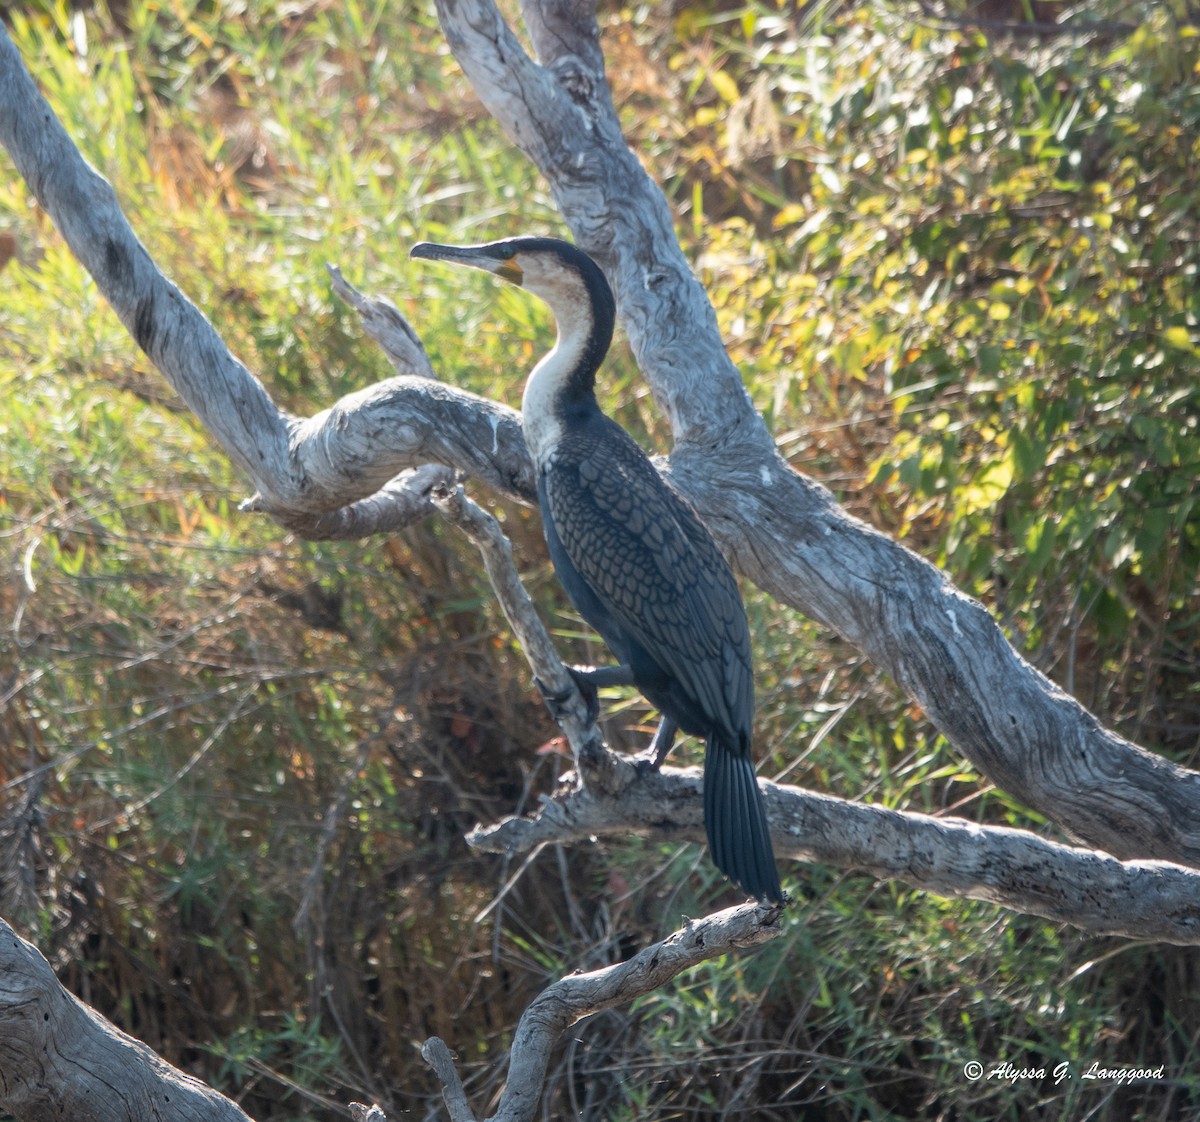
{"x":310,"y":475}
{"x":1017,"y":869}
{"x":785,"y":532}
{"x":576,"y":996}
{"x":363,"y":466}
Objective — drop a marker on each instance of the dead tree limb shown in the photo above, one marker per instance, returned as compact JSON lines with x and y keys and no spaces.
{"x":308,"y":474}
{"x":363,"y":466}
{"x":59,"y":1059}
{"x":576,"y":996}
{"x":1014,"y":868}
{"x":604,"y":769}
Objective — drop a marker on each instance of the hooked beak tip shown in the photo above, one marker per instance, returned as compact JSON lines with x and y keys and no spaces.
{"x":477,"y":257}
{"x":425,"y":249}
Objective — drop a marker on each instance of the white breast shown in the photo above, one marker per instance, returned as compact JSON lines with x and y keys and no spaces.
{"x":538,"y":412}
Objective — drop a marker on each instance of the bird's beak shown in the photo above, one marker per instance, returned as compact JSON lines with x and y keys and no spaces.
{"x":486,"y":257}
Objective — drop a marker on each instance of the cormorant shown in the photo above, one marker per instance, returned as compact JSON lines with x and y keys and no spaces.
{"x":636,"y":561}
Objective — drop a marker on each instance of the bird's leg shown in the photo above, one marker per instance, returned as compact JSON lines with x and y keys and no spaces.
{"x":588,"y":679}
{"x":601,"y":676}
{"x":664,"y":738}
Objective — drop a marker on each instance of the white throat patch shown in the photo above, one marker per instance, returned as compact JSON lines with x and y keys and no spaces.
{"x":549,"y":378}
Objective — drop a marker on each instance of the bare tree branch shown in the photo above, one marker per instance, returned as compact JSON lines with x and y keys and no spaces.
{"x":576,"y":996}
{"x":386,"y":455}
{"x":783,"y":531}
{"x":605,"y":768}
{"x":385,"y":323}
{"x":302,"y":469}
{"x":949,"y":856}
{"x":59,"y":1059}
{"x":398,"y":504}
{"x":435,"y":1053}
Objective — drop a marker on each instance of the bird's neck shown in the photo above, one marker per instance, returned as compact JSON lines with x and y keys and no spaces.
{"x":561,"y":388}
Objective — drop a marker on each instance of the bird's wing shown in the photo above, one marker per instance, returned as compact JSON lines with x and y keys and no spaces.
{"x":657,"y":571}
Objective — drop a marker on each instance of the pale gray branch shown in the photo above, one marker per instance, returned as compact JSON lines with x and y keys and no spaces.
{"x":400,"y":502}
{"x":59,"y":1059}
{"x":1016,"y":869}
{"x":604,"y":769}
{"x":435,"y":1053}
{"x":562,"y":117}
{"x":1013,"y":868}
{"x":576,"y":996}
{"x":388,"y":454}
{"x":304,"y":471}
{"x":785,"y":532}
{"x":335,"y":474}
{"x":385,"y":323}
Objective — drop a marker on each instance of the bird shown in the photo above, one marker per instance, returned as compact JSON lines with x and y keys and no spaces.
{"x":633,"y":556}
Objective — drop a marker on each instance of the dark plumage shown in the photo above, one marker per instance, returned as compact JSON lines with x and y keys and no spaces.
{"x":635,"y":560}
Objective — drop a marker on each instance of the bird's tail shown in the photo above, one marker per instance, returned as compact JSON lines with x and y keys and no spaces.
{"x":735,"y":819}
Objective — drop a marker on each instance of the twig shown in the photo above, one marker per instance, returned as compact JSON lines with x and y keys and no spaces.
{"x":597,"y":764}
{"x":334,"y":815}
{"x":385,"y":323}
{"x":435,"y":1053}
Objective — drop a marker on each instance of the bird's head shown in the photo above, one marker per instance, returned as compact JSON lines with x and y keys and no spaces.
{"x":562,"y":275}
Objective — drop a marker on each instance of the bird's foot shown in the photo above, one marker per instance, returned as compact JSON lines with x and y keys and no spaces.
{"x":586,"y":687}
{"x":645,"y":763}
{"x":652,"y":758}
{"x":556,"y":700}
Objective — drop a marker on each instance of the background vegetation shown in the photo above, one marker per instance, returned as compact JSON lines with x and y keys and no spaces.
{"x":958,"y":267}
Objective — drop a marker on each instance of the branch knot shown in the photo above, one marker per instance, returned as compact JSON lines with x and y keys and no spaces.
{"x":576,"y":79}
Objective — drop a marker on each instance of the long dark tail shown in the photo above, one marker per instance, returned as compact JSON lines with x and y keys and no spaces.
{"x":735,"y":819}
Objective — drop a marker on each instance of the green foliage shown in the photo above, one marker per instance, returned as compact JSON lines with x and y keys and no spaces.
{"x":959,"y":275}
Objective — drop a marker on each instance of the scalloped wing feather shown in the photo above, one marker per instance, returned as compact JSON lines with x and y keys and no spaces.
{"x":655,"y":569}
